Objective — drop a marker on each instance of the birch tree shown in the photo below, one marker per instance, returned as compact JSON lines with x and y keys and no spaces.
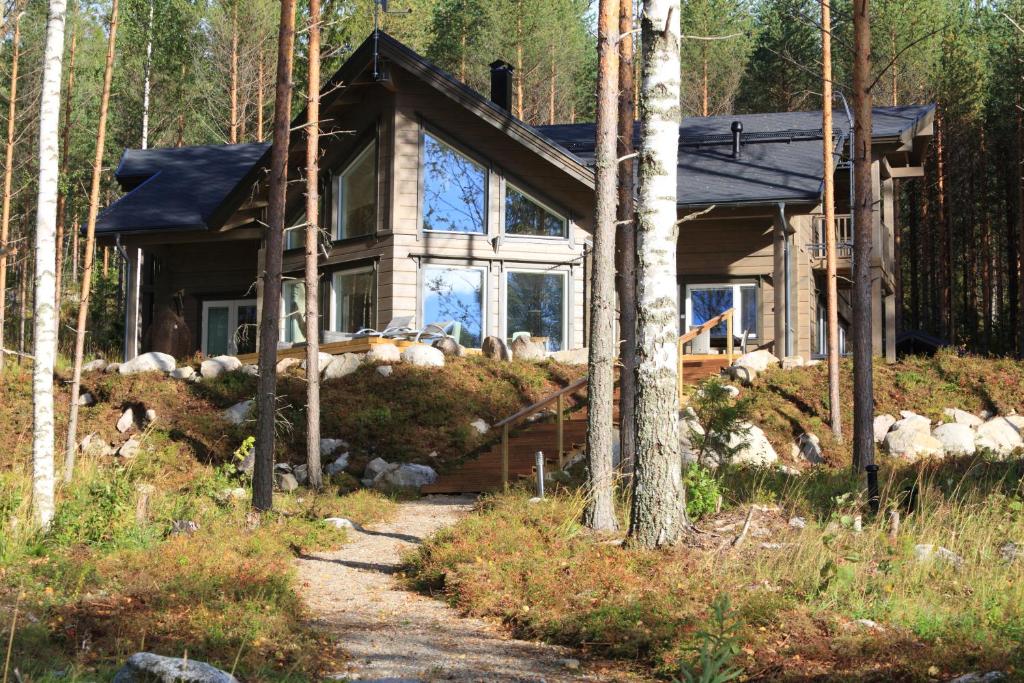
{"x":599,"y":513}
{"x":658,"y":511}
{"x":312,"y":248}
{"x":829,"y":202}
{"x":45,"y":318}
{"x":266,"y":387}
{"x":5,"y":220}
{"x":71,"y":445}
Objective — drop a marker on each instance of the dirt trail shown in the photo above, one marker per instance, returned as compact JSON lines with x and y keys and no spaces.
{"x":392,"y":633}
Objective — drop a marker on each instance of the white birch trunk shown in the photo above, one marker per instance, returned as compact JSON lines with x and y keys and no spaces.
{"x":45,"y":319}
{"x":658,"y":514}
{"x":147,"y":77}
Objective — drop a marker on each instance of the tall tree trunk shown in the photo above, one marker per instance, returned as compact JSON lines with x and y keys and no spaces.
{"x":835,"y":417}
{"x":626,"y":248}
{"x":45,"y":319}
{"x":658,"y":510}
{"x":914,"y":224}
{"x":519,"y":75}
{"x":233,"y":76}
{"x":260,"y":105}
{"x":551,"y":88}
{"x":312,"y":249}
{"x":266,"y":388}
{"x":599,"y":513}
{"x":5,"y":220}
{"x":704,"y":108}
{"x":946,"y":225}
{"x":147,"y":73}
{"x":65,"y":152}
{"x":71,"y":444}
{"x":1020,"y":225}
{"x":24,"y":275}
{"x":863,"y":391}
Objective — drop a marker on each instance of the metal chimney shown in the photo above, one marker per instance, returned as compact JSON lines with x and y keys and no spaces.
{"x":737,"y":132}
{"x":501,"y":84}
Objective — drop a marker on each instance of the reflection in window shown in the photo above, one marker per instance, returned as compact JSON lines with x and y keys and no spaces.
{"x":455,"y":295}
{"x":704,"y":302}
{"x":536,"y":304}
{"x":293,"y":312}
{"x":454,"y":189}
{"x":524,"y":216}
{"x":357,"y":195}
{"x":295,"y":233}
{"x":354,"y":300}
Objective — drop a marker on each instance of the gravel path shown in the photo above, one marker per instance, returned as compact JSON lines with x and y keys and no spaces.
{"x":392,"y":633}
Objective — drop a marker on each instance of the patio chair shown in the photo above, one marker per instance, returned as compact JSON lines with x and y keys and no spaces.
{"x":399,"y":327}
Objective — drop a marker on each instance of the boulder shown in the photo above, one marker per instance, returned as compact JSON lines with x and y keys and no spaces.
{"x":911,"y":444}
{"x":759,"y":360}
{"x":423,"y":356}
{"x":743,"y":374}
{"x":406,"y":475}
{"x":956,"y":438}
{"x":926,"y":552}
{"x":130,"y":448}
{"x":323,"y":360}
{"x":999,"y":435}
{"x":449,"y":347}
{"x":883,"y":423}
{"x":338,"y":465}
{"x":733,"y":391}
{"x":112,"y":368}
{"x":383,"y":353}
{"x":791,"y":362}
{"x":86,"y":399}
{"x":375,"y":467}
{"x":979,"y":677}
{"x":286,"y":364}
{"x":184,"y":372}
{"x":285,"y":481}
{"x":146,"y":666}
{"x":341,"y":365}
{"x":213,"y":367}
{"x":251,"y":369}
{"x":495,"y":348}
{"x":126,"y":421}
{"x":96,"y":365}
{"x":571,"y":356}
{"x":301,"y":473}
{"x":153,"y":361}
{"x":809,"y":446}
{"x":1011,"y":552}
{"x":525,"y":348}
{"x":339,"y":523}
{"x":480,"y":425}
{"x":757,"y":450}
{"x":385,"y":370}
{"x":913,"y":421}
{"x":239,"y":413}
{"x":962,"y":417}
{"x":245,"y":465}
{"x":329,"y":446}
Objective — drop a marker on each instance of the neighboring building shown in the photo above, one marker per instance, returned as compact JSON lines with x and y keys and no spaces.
{"x":439,"y":204}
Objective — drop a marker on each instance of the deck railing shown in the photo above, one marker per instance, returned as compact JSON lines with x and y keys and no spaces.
{"x":684,"y":339}
{"x":844,"y":237}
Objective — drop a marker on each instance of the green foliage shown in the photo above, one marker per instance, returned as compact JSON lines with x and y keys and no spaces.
{"x":702,"y":491}
{"x":719,"y":432}
{"x":719,"y":645}
{"x":98,"y":511}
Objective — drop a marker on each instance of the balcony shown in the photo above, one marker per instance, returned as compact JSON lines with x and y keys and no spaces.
{"x":844,"y":240}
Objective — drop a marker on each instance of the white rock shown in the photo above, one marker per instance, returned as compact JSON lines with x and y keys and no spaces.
{"x":495,"y":348}
{"x":956,"y":438}
{"x":126,"y":421}
{"x":286,"y":364}
{"x":733,"y":391}
{"x":449,"y":347}
{"x":883,"y":423}
{"x":481,"y":426}
{"x":130,"y":448}
{"x":213,"y":367}
{"x":911,"y":420}
{"x":150,"y":416}
{"x":251,"y":369}
{"x":112,"y":368}
{"x":145,"y":666}
{"x":385,"y":370}
{"x":329,"y":446}
{"x":237,"y":493}
{"x":926,"y":552}
{"x":341,"y":365}
{"x":375,"y":467}
{"x":912,"y":444}
{"x":184,"y":372}
{"x":524,"y":347}
{"x":338,"y":465}
{"x":148,"y":362}
{"x":743,"y":374}
{"x":571,"y":356}
{"x":86,"y":399}
{"x":301,"y":473}
{"x":791,"y":362}
{"x":999,"y":435}
{"x":962,"y":417}
{"x":339,"y":523}
{"x":423,"y":356}
{"x":323,"y":360}
{"x":758,"y":450}
{"x":406,"y":475}
{"x":758,"y":361}
{"x":285,"y":481}
{"x":238,"y":413}
{"x":96,"y":365}
{"x":798,"y":522}
{"x":810,"y":448}
{"x":979,"y":677}
{"x":383,"y":353}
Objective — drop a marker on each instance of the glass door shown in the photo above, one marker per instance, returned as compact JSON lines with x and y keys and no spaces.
{"x":229,"y":327}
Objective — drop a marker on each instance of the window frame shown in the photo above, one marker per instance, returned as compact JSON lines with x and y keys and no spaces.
{"x":533,"y":197}
{"x":737,"y":315}
{"x":485,"y":165}
{"x":284,"y":314}
{"x":337,"y":197}
{"x":332,"y":298}
{"x":421,"y":304}
{"x":232,"y":306}
{"x":566,"y":307}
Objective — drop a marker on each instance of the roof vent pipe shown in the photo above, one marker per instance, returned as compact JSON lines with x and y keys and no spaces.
{"x":501,"y":84}
{"x":737,"y":131}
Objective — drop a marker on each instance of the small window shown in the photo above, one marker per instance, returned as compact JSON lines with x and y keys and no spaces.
{"x":293,"y":312}
{"x":295,"y":233}
{"x":455,"y":295}
{"x":704,"y":302}
{"x":357,"y":195}
{"x":525,"y":216}
{"x":353,"y":300}
{"x":454,"y":190}
{"x":535,"y":304}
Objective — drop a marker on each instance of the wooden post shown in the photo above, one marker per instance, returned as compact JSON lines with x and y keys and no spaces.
{"x":561,"y":430}
{"x":728,"y":333}
{"x":504,"y":457}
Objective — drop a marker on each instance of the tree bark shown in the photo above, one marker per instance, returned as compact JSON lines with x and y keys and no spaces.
{"x":260,"y":77}
{"x":1020,"y":226}
{"x":835,"y":417}
{"x":45,"y":319}
{"x":62,"y":196}
{"x":71,"y":444}
{"x":599,"y":513}
{"x":270,"y":320}
{"x":626,"y":252}
{"x":946,"y":225}
{"x":5,"y":220}
{"x":863,"y":392}
{"x":312,"y":244}
{"x":147,"y":72}
{"x":658,"y":511}
{"x":233,"y":76}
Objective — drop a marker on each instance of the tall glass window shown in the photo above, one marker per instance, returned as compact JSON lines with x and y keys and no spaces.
{"x":525,"y":216}
{"x":454,"y":189}
{"x":293,"y":312}
{"x":535,"y":304}
{"x":354,"y":300}
{"x":704,"y":302}
{"x":455,"y":295}
{"x":357,"y":195}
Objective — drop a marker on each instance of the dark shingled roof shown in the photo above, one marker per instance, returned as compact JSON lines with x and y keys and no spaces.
{"x":781,"y":153}
{"x":176,"y":188}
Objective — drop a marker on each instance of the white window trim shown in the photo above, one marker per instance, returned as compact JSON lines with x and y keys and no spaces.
{"x":440,"y":139}
{"x":370,"y":147}
{"x":484,"y":294}
{"x":333,"y":298}
{"x":737,"y":313}
{"x":566,"y":309}
{"x":232,"y":306}
{"x":566,"y":223}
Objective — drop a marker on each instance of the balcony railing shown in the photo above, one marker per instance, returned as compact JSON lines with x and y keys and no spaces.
{"x":844,"y":237}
